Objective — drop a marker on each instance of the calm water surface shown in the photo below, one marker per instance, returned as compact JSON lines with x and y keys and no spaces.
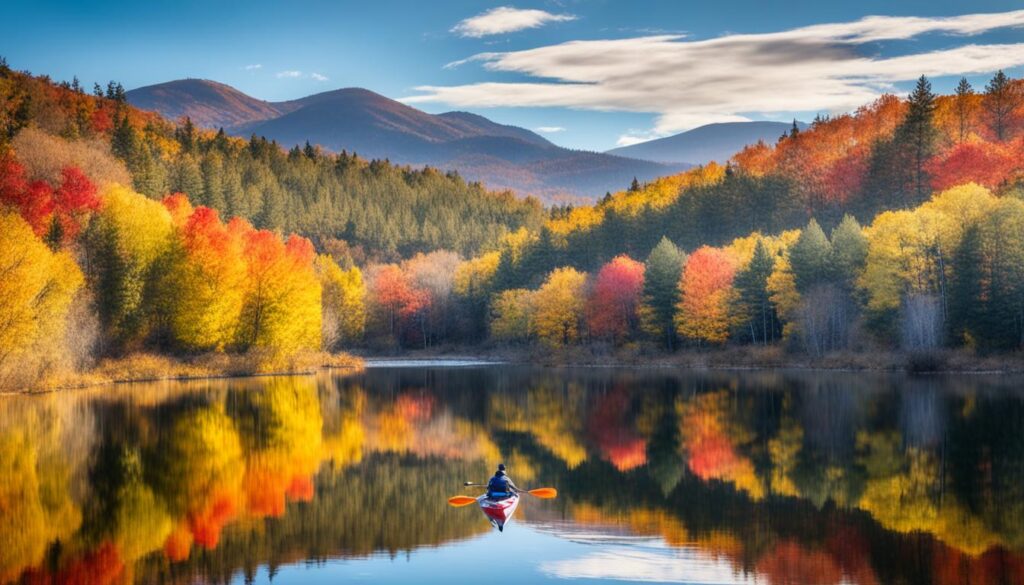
{"x":664,"y":476}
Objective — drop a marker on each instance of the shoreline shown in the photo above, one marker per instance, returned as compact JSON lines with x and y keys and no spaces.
{"x":144,"y":367}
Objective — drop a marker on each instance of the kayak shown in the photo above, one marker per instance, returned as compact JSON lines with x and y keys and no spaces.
{"x":498,"y":511}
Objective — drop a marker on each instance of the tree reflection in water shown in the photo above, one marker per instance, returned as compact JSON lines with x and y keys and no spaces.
{"x":787,"y":477}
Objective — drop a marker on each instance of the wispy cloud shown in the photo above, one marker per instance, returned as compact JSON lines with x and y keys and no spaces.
{"x":688,"y":83}
{"x":506,"y":19}
{"x":253,"y":67}
{"x":549,"y":129}
{"x":317,"y":77}
{"x":289,"y":74}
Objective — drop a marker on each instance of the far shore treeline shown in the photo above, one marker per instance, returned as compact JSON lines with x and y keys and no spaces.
{"x":898,"y":226}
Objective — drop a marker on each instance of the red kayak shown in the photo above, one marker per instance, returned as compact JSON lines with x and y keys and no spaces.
{"x":498,"y":511}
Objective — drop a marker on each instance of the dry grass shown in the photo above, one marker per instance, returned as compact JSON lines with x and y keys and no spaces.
{"x":144,"y":367}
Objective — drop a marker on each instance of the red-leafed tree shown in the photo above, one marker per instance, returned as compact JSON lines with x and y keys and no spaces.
{"x":396,"y":301}
{"x":984,"y":163}
{"x":612,"y":307}
{"x":59,"y":212}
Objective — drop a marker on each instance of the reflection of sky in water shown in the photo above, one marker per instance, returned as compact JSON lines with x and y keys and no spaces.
{"x":522,"y":555}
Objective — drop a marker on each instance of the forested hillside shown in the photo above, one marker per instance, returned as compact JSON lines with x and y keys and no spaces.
{"x":393,"y":211}
{"x":900,"y":225}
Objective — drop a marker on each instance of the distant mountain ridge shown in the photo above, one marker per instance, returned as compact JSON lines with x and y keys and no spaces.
{"x":711,"y":142}
{"x":356,"y":119}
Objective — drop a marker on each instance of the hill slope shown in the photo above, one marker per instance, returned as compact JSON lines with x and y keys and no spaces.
{"x":206,"y":102}
{"x":713,"y":142}
{"x":356,"y":119}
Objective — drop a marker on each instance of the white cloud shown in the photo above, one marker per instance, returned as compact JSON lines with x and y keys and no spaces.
{"x":549,"y":129}
{"x":316,"y":76}
{"x":253,"y":67}
{"x":506,"y":19}
{"x":688,"y":83}
{"x":289,"y":74}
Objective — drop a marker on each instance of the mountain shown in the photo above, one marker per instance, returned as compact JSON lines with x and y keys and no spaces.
{"x":716,"y":142}
{"x":206,"y":102}
{"x":374,"y":126}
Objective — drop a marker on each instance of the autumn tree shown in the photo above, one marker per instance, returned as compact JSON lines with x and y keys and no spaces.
{"x":706,"y":291}
{"x":123,"y":244}
{"x":612,"y":309}
{"x":662,"y":271}
{"x":393,"y":301}
{"x":474,"y":284}
{"x":343,"y":303}
{"x":282,"y":298}
{"x":38,"y":286}
{"x":558,"y":307}
{"x":206,"y":280}
{"x":512,"y":313}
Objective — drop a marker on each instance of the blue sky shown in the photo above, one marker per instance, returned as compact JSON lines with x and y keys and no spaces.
{"x":604,"y":72}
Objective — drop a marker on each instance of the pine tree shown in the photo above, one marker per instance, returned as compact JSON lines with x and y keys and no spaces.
{"x":213,"y":181}
{"x":849,"y":251}
{"x":755,"y":313}
{"x":967,"y":294}
{"x":188,"y":178}
{"x":662,"y":270}
{"x":963,"y":105}
{"x":810,"y":258}
{"x":917,"y":135}
{"x":123,"y":141}
{"x":1001,"y":98}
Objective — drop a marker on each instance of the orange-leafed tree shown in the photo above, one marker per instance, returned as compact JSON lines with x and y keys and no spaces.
{"x":613,"y":304}
{"x":394,"y":301}
{"x":207,"y":279}
{"x":705,"y":293}
{"x":281,"y":307}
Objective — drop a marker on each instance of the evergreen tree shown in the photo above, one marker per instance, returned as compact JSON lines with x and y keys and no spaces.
{"x":123,"y":141}
{"x":213,"y":181}
{"x":810,"y":258}
{"x":187,"y":178}
{"x":917,"y":136}
{"x":967,"y":295}
{"x":185,"y":134}
{"x":1001,"y":98}
{"x":964,"y":96}
{"x":849,"y":251}
{"x":755,"y":313}
{"x":663,"y":268}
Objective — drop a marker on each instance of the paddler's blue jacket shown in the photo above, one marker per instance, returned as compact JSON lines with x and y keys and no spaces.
{"x":500,"y":486}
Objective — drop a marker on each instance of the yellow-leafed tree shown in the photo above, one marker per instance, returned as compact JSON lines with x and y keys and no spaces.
{"x":343,"y":303}
{"x":558,"y":307}
{"x":37,"y":287}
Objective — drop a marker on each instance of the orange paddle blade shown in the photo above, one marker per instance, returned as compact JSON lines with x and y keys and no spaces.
{"x":459,"y":501}
{"x":546,"y":493}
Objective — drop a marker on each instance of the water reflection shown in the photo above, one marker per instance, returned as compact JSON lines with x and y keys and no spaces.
{"x":705,"y":477}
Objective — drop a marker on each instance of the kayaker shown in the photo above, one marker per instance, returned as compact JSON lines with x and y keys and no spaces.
{"x":501,"y":486}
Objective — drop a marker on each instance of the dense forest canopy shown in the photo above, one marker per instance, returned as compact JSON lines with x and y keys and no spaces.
{"x":898,"y":225}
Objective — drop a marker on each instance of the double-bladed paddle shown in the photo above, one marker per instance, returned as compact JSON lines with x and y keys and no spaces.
{"x":545,"y":493}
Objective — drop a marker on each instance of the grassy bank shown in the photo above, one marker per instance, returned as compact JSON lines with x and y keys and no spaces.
{"x":145,"y":367}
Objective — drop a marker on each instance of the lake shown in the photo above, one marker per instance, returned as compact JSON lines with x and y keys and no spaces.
{"x":663,"y":475}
